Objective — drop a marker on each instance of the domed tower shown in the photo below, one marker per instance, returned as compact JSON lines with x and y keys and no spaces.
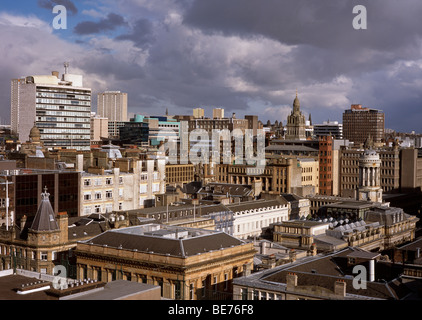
{"x":35,"y":135}
{"x":296,"y":105}
{"x":296,"y":123}
{"x":370,"y":176}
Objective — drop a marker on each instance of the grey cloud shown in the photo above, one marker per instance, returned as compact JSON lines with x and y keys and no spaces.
{"x":141,"y":35}
{"x":112,"y":22}
{"x":323,"y":23}
{"x":49,"y":4}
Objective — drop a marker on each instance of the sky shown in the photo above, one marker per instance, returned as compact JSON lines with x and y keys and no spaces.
{"x":246,"y":56}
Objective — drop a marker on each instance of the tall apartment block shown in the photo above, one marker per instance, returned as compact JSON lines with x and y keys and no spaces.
{"x":112,"y":105}
{"x":218,"y":113}
{"x":198,"y":113}
{"x":60,"y":108}
{"x":360,"y":123}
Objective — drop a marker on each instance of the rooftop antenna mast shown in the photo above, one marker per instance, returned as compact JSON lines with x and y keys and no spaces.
{"x":66,"y":67}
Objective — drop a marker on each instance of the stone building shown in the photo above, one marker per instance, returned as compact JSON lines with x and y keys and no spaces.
{"x":280,"y":174}
{"x":188,"y":264}
{"x":251,"y":217}
{"x":42,"y":241}
{"x":370,"y":177}
{"x":390,"y":171}
{"x":329,"y":277}
{"x":296,"y":123}
{"x":298,"y":234}
{"x":104,"y":191}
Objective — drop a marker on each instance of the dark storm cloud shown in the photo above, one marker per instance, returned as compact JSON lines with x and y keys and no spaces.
{"x":322,"y":23}
{"x":49,"y":4}
{"x":141,"y":35}
{"x":322,"y":29}
{"x":112,"y":22}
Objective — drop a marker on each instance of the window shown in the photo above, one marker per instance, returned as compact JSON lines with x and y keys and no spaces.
{"x":155,"y":187}
{"x":215,"y":284}
{"x":97,"y":208}
{"x":177,"y":291}
{"x":244,"y":293}
{"x":109,"y":194}
{"x":87,"y":182}
{"x":142,"y":200}
{"x":120,"y":180}
{"x":97,"y":195}
{"x":109,"y":181}
{"x":43,"y":256}
{"x":191,"y":290}
{"x":87,"y":210}
{"x":143,"y":188}
{"x":203,"y":288}
{"x":120,"y":206}
{"x":87,"y":196}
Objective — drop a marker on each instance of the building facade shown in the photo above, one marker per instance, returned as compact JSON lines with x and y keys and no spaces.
{"x":360,"y":123}
{"x":329,"y":128}
{"x":60,"y":108}
{"x":296,"y":123}
{"x":326,"y":165}
{"x":112,"y":105}
{"x":188,"y":264}
{"x":99,"y":128}
{"x":26,"y":185}
{"x":251,"y":217}
{"x":104,"y":191}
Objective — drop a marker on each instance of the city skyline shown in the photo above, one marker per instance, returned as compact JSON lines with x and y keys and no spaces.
{"x":245,"y":57}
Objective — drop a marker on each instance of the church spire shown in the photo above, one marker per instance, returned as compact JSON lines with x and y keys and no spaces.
{"x":45,"y":218}
{"x":296,"y":104}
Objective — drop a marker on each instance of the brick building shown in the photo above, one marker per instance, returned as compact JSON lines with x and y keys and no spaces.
{"x":359,"y":123}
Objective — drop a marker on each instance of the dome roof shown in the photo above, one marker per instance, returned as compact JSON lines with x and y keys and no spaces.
{"x":34,"y":134}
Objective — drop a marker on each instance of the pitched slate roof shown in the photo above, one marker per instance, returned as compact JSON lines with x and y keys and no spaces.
{"x":188,"y":246}
{"x":45,"y":219}
{"x":323,"y":272}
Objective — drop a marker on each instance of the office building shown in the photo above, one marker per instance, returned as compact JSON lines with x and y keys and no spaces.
{"x":113,"y":105}
{"x":149,"y":131}
{"x":360,"y":123}
{"x":26,"y":185}
{"x":60,"y":108}
{"x":198,"y":113}
{"x":329,"y":128}
{"x":218,"y":113}
{"x":99,"y":128}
